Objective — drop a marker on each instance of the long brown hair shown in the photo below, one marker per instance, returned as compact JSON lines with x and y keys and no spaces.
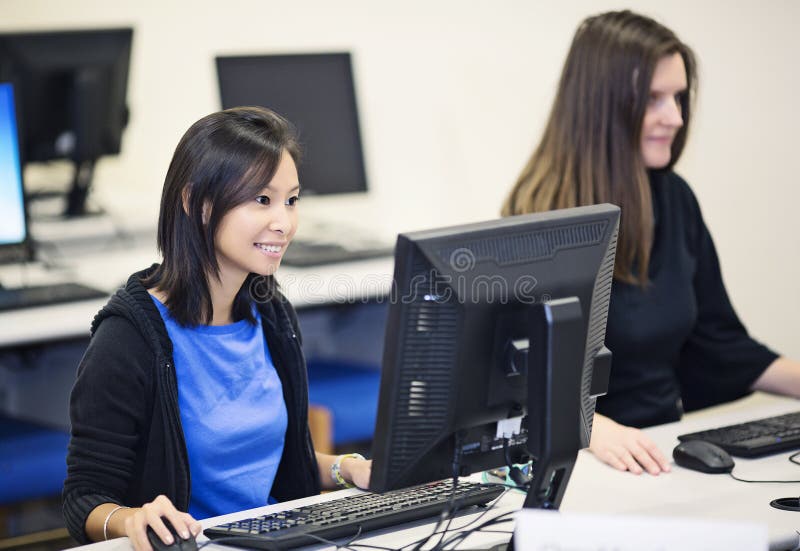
{"x":590,"y":150}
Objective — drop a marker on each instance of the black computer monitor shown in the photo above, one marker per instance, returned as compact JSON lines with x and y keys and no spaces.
{"x":14,"y":237}
{"x":71,"y":88}
{"x":316,"y":93}
{"x":490,"y":322}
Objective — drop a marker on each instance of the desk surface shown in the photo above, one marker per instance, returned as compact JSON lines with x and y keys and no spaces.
{"x":595,"y":487}
{"x":109,"y":267}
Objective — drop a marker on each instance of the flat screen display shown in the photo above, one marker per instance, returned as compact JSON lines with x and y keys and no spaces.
{"x":13,"y":229}
{"x":316,"y":93}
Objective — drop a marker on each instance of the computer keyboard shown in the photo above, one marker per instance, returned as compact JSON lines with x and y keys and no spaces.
{"x":45,"y":295}
{"x":754,"y":438}
{"x":344,"y":517}
{"x":303,"y":253}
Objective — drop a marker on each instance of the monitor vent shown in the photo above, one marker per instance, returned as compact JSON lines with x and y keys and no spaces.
{"x":596,"y":334}
{"x":428,"y":357}
{"x":527,"y":246}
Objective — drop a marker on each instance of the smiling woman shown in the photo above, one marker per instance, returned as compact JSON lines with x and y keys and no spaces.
{"x":616,"y":129}
{"x":223,"y":172}
{"x":192,"y":398}
{"x":663,"y":117}
{"x":253,"y":236}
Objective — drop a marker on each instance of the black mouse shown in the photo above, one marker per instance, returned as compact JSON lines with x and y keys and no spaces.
{"x":702,"y":456}
{"x":179,"y":544}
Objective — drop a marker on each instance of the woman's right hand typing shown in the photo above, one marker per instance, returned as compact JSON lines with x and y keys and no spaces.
{"x":626,"y":448}
{"x":134,"y":522}
{"x":150,"y":514}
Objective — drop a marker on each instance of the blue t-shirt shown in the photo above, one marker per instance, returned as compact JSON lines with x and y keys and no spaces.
{"x":233,"y":413}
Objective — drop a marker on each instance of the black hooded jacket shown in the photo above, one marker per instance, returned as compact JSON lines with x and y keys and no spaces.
{"x":127,"y":444}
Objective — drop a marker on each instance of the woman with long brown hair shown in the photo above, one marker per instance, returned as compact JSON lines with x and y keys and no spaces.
{"x":617,"y":127}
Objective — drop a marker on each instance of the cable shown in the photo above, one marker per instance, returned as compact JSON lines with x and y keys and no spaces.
{"x":424,"y":540}
{"x":764,"y":481}
{"x":792,"y":459}
{"x":448,"y":509}
{"x":485,"y":480}
{"x":461,"y":529}
{"x":464,"y":534}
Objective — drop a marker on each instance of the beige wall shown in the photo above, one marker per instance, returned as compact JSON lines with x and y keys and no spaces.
{"x":453,"y":95}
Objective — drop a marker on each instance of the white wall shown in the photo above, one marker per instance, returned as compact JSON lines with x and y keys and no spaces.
{"x":453,"y":96}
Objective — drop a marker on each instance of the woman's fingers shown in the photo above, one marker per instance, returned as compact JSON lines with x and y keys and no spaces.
{"x":155,"y":515}
{"x":626,"y":448}
{"x":194,"y":527}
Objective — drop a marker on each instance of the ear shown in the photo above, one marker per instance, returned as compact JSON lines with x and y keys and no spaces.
{"x":185,"y":199}
{"x":206,"y":205}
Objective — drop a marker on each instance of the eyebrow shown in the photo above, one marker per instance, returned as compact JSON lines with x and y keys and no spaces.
{"x":295,"y":188}
{"x":664,"y":90}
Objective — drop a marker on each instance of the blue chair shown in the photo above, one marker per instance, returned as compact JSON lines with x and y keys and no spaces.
{"x":350,"y":392}
{"x":32,"y":460}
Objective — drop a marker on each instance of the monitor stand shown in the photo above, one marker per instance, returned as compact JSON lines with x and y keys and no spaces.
{"x":79,"y":191}
{"x":555,"y":371}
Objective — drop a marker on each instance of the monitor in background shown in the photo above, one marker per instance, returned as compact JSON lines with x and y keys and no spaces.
{"x":14,"y":239}
{"x":71,"y":88}
{"x":488,"y":323}
{"x":316,"y":93}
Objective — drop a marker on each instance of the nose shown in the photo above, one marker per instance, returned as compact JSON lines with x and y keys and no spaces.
{"x":280,"y":219}
{"x":673,"y":113}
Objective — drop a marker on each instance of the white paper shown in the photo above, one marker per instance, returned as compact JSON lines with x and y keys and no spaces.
{"x":509,"y":428}
{"x":539,"y":530}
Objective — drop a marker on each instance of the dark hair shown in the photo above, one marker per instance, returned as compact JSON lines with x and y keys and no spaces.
{"x":222,"y":161}
{"x":590,"y":151}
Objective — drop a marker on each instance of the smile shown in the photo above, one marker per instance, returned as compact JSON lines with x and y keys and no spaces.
{"x":269,"y":248}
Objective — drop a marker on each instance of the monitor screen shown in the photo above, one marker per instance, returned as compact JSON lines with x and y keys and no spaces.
{"x":316,"y":93}
{"x":71,"y":89}
{"x":13,"y":227}
{"x":497,"y":322}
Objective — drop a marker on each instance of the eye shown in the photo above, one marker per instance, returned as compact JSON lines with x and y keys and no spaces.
{"x":262,"y":200}
{"x":292,"y":201}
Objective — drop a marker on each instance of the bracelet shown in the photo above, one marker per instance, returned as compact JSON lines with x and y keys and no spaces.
{"x":108,"y":517}
{"x":336,"y":470}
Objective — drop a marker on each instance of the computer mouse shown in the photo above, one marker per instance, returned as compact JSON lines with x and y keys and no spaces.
{"x":702,"y":456}
{"x":179,"y":544}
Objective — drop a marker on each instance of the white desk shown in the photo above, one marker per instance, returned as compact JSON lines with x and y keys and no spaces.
{"x":595,"y":487}
{"x":108,"y":269}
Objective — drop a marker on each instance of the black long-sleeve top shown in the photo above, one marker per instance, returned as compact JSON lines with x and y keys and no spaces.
{"x":677,"y":344}
{"x":127,"y":443}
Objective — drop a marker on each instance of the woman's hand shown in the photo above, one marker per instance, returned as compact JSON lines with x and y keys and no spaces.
{"x":150,"y":515}
{"x":626,"y":448}
{"x":357,"y":471}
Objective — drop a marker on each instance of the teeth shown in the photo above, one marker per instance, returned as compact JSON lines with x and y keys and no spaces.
{"x":269,"y":248}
